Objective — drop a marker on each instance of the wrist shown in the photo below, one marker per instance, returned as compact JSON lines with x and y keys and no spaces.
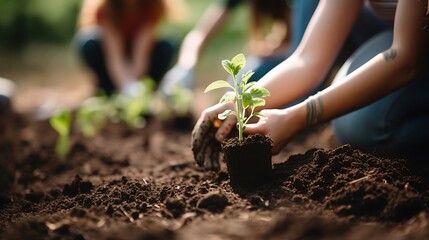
{"x":314,"y":110}
{"x":298,"y":113}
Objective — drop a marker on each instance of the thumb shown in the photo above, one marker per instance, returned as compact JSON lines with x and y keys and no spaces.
{"x":254,"y":128}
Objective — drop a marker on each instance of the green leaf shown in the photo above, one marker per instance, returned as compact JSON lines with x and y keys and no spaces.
{"x":258,"y":102}
{"x":182,"y":99}
{"x":259,"y":92}
{"x":89,"y":121}
{"x":239,"y":62}
{"x":245,"y":77}
{"x":247,"y":86}
{"x":218,"y":84}
{"x":227,"y":97}
{"x":225,"y":114}
{"x":258,"y":114}
{"x":61,"y":122}
{"x":149,"y":83}
{"x":229,"y":67}
{"x":247,"y":100}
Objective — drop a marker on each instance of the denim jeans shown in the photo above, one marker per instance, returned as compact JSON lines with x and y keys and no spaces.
{"x":89,"y":45}
{"x":397,"y":124}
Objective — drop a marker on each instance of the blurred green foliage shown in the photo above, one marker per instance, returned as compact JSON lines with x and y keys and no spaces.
{"x":27,"y":21}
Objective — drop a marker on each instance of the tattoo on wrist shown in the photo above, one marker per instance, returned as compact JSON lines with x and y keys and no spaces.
{"x":389,"y":54}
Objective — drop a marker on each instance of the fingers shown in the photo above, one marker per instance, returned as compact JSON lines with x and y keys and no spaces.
{"x":259,"y":127}
{"x":199,"y":139}
{"x":211,"y":155}
{"x":254,"y":128}
{"x":225,"y":128}
{"x":207,"y":134}
{"x":276,"y":149}
{"x":204,"y":145}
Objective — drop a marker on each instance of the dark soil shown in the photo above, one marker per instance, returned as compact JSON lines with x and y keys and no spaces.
{"x":248,"y":161}
{"x":144,"y":184}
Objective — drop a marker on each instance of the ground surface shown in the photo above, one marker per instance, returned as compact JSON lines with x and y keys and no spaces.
{"x":144,"y":184}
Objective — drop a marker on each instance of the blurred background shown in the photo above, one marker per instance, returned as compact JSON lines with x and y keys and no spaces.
{"x":37,"y":51}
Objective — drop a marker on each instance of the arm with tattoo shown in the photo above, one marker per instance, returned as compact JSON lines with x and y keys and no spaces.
{"x":389,"y":54}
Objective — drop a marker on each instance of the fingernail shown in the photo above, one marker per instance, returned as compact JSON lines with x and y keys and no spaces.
{"x":219,"y":136}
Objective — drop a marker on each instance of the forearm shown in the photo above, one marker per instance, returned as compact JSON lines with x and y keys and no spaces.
{"x":372,"y":81}
{"x":119,"y":71}
{"x":387,"y":71}
{"x":369,"y":83}
{"x":291,"y":80}
{"x":117,"y":66}
{"x":306,"y":68}
{"x":196,"y":40}
{"x":142,"y":48}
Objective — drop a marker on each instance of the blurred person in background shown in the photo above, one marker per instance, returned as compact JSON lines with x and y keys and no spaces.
{"x":117,"y":39}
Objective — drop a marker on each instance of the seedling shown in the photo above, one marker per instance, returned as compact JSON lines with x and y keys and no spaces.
{"x":244,"y":95}
{"x":92,"y":114}
{"x":61,"y":122}
{"x":133,"y":109}
{"x":181,"y":100}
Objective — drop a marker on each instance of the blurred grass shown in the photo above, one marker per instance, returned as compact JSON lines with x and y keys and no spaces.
{"x":36,"y":40}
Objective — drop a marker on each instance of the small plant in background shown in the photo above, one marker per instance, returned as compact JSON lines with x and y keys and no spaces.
{"x":181,"y":100}
{"x":243,"y":94}
{"x":61,"y":122}
{"x":93,"y":114}
{"x":133,"y":109}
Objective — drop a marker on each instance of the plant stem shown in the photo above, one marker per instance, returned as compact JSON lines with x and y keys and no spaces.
{"x":238,"y":106}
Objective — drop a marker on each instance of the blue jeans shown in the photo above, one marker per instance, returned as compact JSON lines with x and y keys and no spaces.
{"x":89,"y":44}
{"x":397,"y":124}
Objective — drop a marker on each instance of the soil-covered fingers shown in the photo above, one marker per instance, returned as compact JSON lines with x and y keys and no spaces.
{"x":200,"y":138}
{"x":205,"y":147}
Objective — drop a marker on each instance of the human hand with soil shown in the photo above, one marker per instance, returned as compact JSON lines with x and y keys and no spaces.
{"x":207,"y":134}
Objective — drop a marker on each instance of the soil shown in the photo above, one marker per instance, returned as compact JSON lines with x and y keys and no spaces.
{"x":248,"y":161}
{"x":144,"y":184}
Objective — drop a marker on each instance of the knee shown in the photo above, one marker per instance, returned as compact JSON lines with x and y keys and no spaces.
{"x":356,"y":129}
{"x":88,"y":42}
{"x":165,"y":48}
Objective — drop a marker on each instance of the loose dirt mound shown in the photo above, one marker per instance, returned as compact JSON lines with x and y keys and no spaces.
{"x":355,"y":184}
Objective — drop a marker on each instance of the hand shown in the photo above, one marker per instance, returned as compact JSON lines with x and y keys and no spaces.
{"x":279,"y":125}
{"x":132,"y":88}
{"x":207,"y":134}
{"x":176,"y":77}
